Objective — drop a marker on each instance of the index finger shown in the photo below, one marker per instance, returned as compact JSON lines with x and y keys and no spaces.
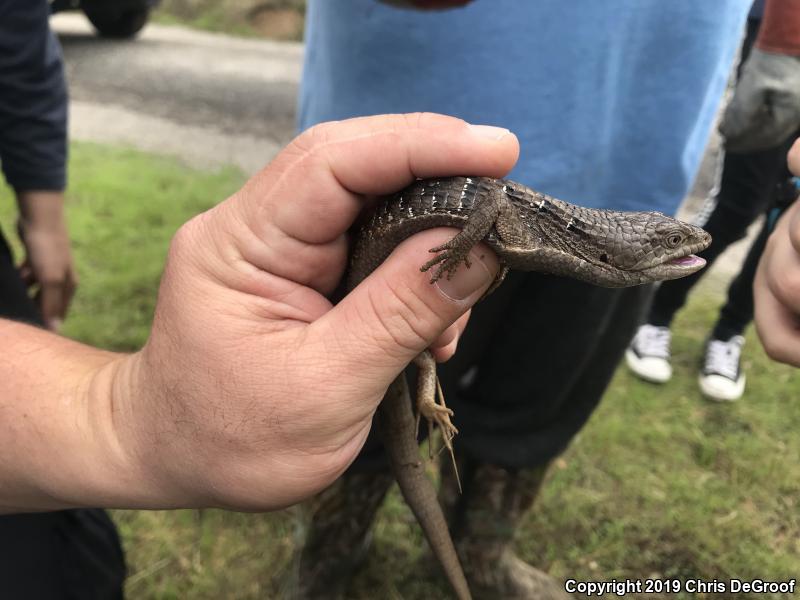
{"x":328,"y":169}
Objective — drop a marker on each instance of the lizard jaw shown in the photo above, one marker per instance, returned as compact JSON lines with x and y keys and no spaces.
{"x":675,"y":268}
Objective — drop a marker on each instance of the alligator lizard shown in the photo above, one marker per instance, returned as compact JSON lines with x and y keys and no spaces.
{"x":529,"y":231}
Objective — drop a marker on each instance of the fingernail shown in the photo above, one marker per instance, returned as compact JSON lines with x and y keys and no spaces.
{"x":489,"y":132}
{"x":466,"y":280}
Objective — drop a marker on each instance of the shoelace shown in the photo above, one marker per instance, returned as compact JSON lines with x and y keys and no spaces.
{"x":723,"y":358}
{"x":654,"y":342}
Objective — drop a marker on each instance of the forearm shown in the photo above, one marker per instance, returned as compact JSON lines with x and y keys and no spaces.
{"x":59,"y":410}
{"x":42,"y":209}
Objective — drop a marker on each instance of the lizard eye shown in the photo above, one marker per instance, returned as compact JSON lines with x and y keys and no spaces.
{"x":674,"y":240}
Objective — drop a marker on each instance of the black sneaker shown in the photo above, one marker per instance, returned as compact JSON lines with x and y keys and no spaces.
{"x":648,"y":353}
{"x":721,"y":377}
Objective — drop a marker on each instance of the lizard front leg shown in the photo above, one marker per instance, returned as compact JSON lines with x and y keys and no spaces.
{"x":456,"y":251}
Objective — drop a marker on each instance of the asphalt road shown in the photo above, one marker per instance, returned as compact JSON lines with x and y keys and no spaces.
{"x":206,"y":98}
{"x":211,"y":100}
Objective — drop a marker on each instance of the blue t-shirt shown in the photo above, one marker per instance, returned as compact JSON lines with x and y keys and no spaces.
{"x":612,"y":102}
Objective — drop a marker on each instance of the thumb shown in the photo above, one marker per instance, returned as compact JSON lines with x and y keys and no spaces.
{"x":396,"y":313}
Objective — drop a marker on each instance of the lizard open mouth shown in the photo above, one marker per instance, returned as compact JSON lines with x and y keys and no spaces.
{"x":673,"y":268}
{"x":690,"y":261}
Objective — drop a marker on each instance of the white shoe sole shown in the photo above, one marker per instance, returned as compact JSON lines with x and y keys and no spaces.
{"x":654,"y":370}
{"x":721,"y":388}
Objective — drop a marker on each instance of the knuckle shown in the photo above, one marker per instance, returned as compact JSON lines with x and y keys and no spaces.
{"x":407,"y":327}
{"x":312,"y":138}
{"x":424,"y":120}
{"x":187,"y":237}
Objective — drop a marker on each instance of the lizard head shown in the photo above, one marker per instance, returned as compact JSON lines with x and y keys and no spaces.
{"x":614,"y":248}
{"x":631,"y":248}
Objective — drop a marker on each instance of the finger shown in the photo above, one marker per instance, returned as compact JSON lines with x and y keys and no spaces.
{"x":51,"y":304}
{"x":395,"y":313}
{"x":792,"y":218}
{"x":777,"y":328}
{"x":26,"y":274}
{"x":782,"y":269}
{"x":313,"y":190}
{"x":70,"y":285}
{"x":794,"y":158}
{"x":444,"y":347}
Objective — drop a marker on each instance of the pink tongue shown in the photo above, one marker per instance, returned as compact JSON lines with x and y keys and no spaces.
{"x":688,"y":261}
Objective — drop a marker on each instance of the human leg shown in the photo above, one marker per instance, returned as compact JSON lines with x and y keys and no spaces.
{"x":746,"y":189}
{"x":552,"y":346}
{"x":337,"y":534}
{"x":721,"y":376}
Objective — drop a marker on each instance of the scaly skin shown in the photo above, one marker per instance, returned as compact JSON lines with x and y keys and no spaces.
{"x":529,"y":231}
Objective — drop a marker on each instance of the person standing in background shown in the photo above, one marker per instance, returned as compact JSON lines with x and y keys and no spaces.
{"x":753,"y":180}
{"x":73,"y":553}
{"x":613,"y":107}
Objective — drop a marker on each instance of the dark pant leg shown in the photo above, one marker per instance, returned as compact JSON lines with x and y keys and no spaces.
{"x":531,"y":367}
{"x":63,"y":555}
{"x":534,"y":363}
{"x":738,"y":310}
{"x":746,"y":190}
{"x":14,"y":301}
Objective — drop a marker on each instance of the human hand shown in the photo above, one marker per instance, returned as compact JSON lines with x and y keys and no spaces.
{"x":427,"y":4}
{"x":776,"y":288}
{"x":253,"y":391}
{"x":48,"y":268}
{"x":765,"y":109}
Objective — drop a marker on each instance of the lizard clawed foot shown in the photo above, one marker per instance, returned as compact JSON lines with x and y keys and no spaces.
{"x":451,"y":254}
{"x":439,"y":415}
{"x":431,"y":404}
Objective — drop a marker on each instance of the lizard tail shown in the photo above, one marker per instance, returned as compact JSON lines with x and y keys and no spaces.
{"x":397,"y":425}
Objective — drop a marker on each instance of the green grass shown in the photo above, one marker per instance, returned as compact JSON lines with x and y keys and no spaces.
{"x":213,"y":19}
{"x":660,"y":483}
{"x":229,"y":16}
{"x":123,"y":207}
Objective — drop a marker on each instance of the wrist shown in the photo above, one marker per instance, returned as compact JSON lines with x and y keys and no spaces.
{"x":102,"y":466}
{"x":140,"y":450}
{"x":95,"y":449}
{"x":41,"y":209}
{"x":56,"y":423}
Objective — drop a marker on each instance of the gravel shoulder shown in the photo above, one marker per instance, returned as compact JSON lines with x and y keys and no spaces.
{"x":206,"y":98}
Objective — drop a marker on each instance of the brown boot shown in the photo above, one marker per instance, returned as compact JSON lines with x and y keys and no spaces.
{"x":483,"y":520}
{"x":337,"y":535}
